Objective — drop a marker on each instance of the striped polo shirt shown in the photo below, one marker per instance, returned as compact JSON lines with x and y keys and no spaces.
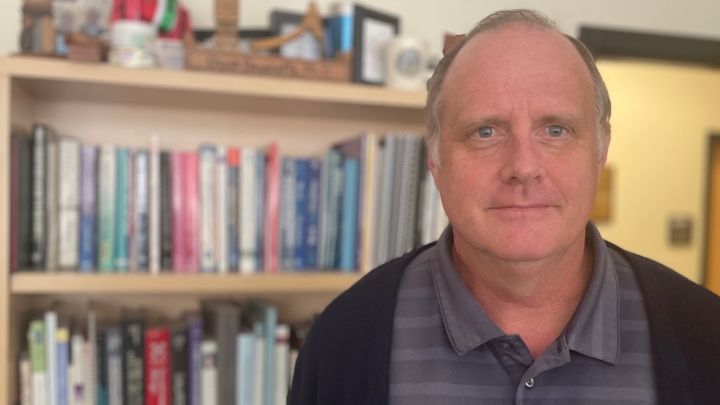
{"x":447,"y":350}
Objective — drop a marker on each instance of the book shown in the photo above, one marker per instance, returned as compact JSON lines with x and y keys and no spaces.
{"x":121,"y":249}
{"x":222,"y":323}
{"x":133,"y":346}
{"x":157,"y":366}
{"x":207,"y":208}
{"x":333,"y":207}
{"x":51,"y":204}
{"x":245,"y":368}
{"x":25,"y":376}
{"x":166,"y":212}
{"x":195,"y":359}
{"x":412,"y":196}
{"x":302,"y":167}
{"x":42,"y":136}
{"x":259,"y":386}
{"x":155,"y":208}
{"x":233,"y":198}
{"x":221,"y":210}
{"x":62,"y":343}
{"x":379,"y":183}
{"x":288,"y":212}
{"x":323,"y":211}
{"x":266,"y":318}
{"x":91,"y":392}
{"x":179,"y":365}
{"x":386,"y":188}
{"x":22,"y":193}
{"x":192,"y":212}
{"x":395,"y":234}
{"x":248,"y":209}
{"x":76,"y":373}
{"x":114,"y":364}
{"x":86,"y":375}
{"x":270,"y":211}
{"x":141,"y":212}
{"x":68,"y":203}
{"x":348,"y":225}
{"x":88,"y":208}
{"x":282,"y":361}
{"x":36,"y":346}
{"x":51,"y":357}
{"x":107,"y":190}
{"x":311,"y":232}
{"x":209,"y":373}
{"x":101,"y":386}
{"x":260,"y":160}
{"x":177,"y":162}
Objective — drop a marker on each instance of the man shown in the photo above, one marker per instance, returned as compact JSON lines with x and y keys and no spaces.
{"x":520,"y":300}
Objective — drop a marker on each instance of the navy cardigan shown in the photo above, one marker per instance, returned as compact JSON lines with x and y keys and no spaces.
{"x":346,"y":357}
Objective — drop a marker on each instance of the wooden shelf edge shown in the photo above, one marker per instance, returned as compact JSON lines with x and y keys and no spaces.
{"x":27,"y":283}
{"x":348,"y":93}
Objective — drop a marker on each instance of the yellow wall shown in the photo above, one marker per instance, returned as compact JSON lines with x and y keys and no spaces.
{"x":662,"y":117}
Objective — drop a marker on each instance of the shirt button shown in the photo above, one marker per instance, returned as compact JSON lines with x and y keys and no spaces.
{"x":505,"y":346}
{"x":530,"y":383}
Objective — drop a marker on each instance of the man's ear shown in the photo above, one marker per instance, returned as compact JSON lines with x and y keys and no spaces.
{"x":431,"y":165}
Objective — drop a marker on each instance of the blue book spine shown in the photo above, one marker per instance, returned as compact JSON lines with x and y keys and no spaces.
{"x":88,"y":208}
{"x":142,"y":206}
{"x":234,"y":216}
{"x":311,"y":233}
{"x":63,"y":356}
{"x":334,"y":209}
{"x":122,"y":224}
{"x":195,"y":338}
{"x":301,"y":187}
{"x":288,"y":200}
{"x":348,"y":224}
{"x":260,"y":206}
{"x":245,"y":376}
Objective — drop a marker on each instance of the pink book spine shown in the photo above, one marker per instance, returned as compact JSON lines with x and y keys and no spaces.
{"x":272,"y":197}
{"x":192,"y":216}
{"x":178,"y":210}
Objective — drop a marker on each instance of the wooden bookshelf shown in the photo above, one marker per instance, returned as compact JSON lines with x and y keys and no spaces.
{"x":101,"y":104}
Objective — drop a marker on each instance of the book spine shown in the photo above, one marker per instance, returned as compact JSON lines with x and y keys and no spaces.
{"x":259,"y":385}
{"x":245,"y":368}
{"x":233,"y":224}
{"x":166,"y":212}
{"x":348,"y":225}
{"x":133,"y":331}
{"x":260,"y":159}
{"x":21,"y":192}
{"x":121,"y":251}
{"x":154,"y":214}
{"x":322,"y":216}
{"x":141,"y":212}
{"x":113,"y":353}
{"x":178,"y":210}
{"x":51,"y":205}
{"x":366,"y":204}
{"x":207,"y":208}
{"x":248,"y":210}
{"x":88,"y":208}
{"x":270,"y":326}
{"x":36,"y":346}
{"x":334,"y":206}
{"x":101,"y":387}
{"x":382,"y":247}
{"x":179,"y":362}
{"x":380,"y":178}
{"x":272,"y":204}
{"x":209,"y":373}
{"x":311,"y":232}
{"x":413,"y":195}
{"x":77,"y":384}
{"x":195,"y":340}
{"x":25,"y":373}
{"x":39,"y":181}
{"x":301,"y":188}
{"x":157,"y":370}
{"x":282,"y":360}
{"x":91,"y":367}
{"x":395,"y":234}
{"x":221,"y":210}
{"x":88,"y":393}
{"x":69,"y":203}
{"x":192,"y":212}
{"x":62,"y":338}
{"x":106,"y":207}
{"x":287,"y":213}
{"x":51,"y":359}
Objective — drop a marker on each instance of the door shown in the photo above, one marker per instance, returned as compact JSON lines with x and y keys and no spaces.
{"x":712,"y":259}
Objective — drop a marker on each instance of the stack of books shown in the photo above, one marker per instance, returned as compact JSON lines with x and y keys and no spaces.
{"x":224,"y":354}
{"x":218,"y":209}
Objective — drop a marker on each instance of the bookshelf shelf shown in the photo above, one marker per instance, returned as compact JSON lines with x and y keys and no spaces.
{"x":168,"y":283}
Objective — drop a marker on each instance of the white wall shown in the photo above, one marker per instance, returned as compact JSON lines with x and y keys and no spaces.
{"x":430,"y":19}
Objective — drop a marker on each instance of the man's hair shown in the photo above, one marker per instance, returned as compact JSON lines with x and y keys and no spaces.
{"x":495,"y":21}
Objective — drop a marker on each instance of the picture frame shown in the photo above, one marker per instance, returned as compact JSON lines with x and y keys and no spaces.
{"x":371,"y":31}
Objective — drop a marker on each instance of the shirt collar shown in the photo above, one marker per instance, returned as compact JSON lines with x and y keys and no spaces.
{"x":593,"y":330}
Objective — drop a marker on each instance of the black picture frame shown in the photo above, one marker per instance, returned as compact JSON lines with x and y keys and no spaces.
{"x":361,"y":14}
{"x":203,"y":35}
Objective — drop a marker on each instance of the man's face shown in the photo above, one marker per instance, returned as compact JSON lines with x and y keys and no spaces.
{"x":519,"y":164}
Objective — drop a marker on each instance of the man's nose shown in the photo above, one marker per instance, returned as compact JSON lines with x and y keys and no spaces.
{"x":522,"y":163}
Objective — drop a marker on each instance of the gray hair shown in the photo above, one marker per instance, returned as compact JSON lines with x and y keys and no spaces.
{"x":498,"y":20}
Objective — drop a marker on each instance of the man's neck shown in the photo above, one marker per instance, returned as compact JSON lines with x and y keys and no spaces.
{"x":535,"y":300}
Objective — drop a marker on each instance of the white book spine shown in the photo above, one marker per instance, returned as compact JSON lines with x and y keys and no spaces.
{"x":259,"y":371}
{"x":154,"y":214}
{"x":39,"y":389}
{"x":51,"y":368}
{"x":87,"y":375}
{"x":221,"y":211}
{"x":76,"y":377}
{"x":69,"y":202}
{"x":248,"y":211}
{"x":25,"y":381}
{"x":282,"y":362}
{"x":208,"y":377}
{"x":51,"y":209}
{"x":207,"y":202}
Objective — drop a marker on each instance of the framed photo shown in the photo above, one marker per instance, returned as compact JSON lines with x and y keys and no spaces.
{"x":306,"y":46}
{"x":372,"y":31}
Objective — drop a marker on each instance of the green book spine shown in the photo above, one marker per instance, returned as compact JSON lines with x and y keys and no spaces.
{"x":106,"y":208}
{"x":122,"y":217}
{"x":36,"y":344}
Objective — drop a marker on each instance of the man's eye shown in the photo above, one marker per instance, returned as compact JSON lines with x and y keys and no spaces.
{"x":555,"y":131}
{"x":485,"y":132}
